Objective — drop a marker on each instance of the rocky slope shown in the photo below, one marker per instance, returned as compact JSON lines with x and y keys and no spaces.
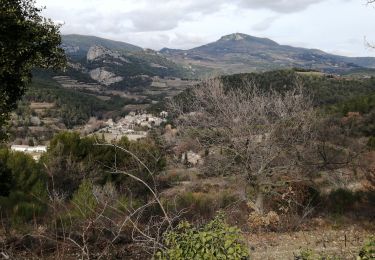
{"x":78,"y":45}
{"x":238,"y":52}
{"x":116,"y":65}
{"x":122,"y":66}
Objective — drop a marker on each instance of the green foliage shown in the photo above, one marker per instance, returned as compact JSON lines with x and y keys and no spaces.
{"x":371,"y":142}
{"x":339,"y":95}
{"x":215,"y":240}
{"x":362,"y":104}
{"x":149,"y":152}
{"x":84,"y":200}
{"x":341,"y":200}
{"x":308,"y":254}
{"x":85,"y":42}
{"x":368,"y":250}
{"x":124,"y":203}
{"x":73,"y":107}
{"x":200,"y":205}
{"x":6,"y":180}
{"x":362,"y":125}
{"x":28,"y":40}
{"x":71,"y":158}
{"x":26,"y":197}
{"x":324,"y":89}
{"x":335,"y":96}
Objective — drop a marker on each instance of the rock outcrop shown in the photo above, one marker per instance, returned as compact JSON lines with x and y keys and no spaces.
{"x":105,"y":77}
{"x":98,"y":52}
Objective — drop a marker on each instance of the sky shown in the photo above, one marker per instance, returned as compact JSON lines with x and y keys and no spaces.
{"x":337,"y":26}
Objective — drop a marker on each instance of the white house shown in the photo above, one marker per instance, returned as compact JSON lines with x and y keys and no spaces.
{"x":19,"y":148}
{"x":29,"y":149}
{"x":163,"y":114}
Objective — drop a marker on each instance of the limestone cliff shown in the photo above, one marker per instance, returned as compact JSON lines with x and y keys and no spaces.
{"x":104,"y":77}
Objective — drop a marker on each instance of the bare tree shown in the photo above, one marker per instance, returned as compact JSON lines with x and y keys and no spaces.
{"x":264,"y":136}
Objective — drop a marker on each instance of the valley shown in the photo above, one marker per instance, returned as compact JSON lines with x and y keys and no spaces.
{"x":240,"y":148}
{"x":115,"y":78}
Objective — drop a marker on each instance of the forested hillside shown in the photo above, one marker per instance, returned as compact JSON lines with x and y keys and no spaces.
{"x":324,"y":88}
{"x":238,"y":149}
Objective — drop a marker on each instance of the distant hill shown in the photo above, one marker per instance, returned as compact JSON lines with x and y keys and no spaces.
{"x":103,"y":67}
{"x":116,"y":65}
{"x":239,"y":53}
{"x":326,"y":90}
{"x":123,"y":66}
{"x":75,"y":44}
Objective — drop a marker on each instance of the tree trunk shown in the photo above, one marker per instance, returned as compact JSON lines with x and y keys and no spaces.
{"x":259,"y":202}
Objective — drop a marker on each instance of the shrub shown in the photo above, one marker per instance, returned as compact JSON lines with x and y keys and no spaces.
{"x":269,"y":220}
{"x":84,"y":200}
{"x":170,"y":179}
{"x":308,"y":254}
{"x":368,"y":250}
{"x":6,"y":180}
{"x":290,"y":203}
{"x":24,"y":194}
{"x":216,"y":240}
{"x":70,"y":159}
{"x":124,"y":204}
{"x":341,"y":200}
{"x":200,"y":205}
{"x":371,"y":143}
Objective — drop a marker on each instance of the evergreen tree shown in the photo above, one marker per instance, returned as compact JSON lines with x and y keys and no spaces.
{"x":27,"y":40}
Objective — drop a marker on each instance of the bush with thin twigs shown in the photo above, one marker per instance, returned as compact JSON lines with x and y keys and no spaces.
{"x":200,"y":206}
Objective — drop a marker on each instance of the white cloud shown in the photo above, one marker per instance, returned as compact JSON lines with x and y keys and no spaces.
{"x":279,"y":6}
{"x":323,"y":24}
{"x":265,"y":24}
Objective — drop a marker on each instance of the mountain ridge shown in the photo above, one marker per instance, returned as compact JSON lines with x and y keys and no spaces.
{"x":238,"y":53}
{"x":230,"y":54}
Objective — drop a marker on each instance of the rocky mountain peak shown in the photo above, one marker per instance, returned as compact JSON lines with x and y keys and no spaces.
{"x":242,"y":38}
{"x":234,"y":37}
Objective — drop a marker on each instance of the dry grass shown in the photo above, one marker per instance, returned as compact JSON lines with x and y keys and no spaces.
{"x":344,"y":243}
{"x":41,"y":105}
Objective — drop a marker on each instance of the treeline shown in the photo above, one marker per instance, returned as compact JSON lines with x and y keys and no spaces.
{"x":358,"y":116}
{"x":363,"y":104}
{"x":325,"y":89}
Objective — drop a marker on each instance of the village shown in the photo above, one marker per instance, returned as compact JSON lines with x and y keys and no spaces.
{"x":134,"y":126}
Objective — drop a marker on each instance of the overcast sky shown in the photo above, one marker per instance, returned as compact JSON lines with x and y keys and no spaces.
{"x":336,"y":26}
